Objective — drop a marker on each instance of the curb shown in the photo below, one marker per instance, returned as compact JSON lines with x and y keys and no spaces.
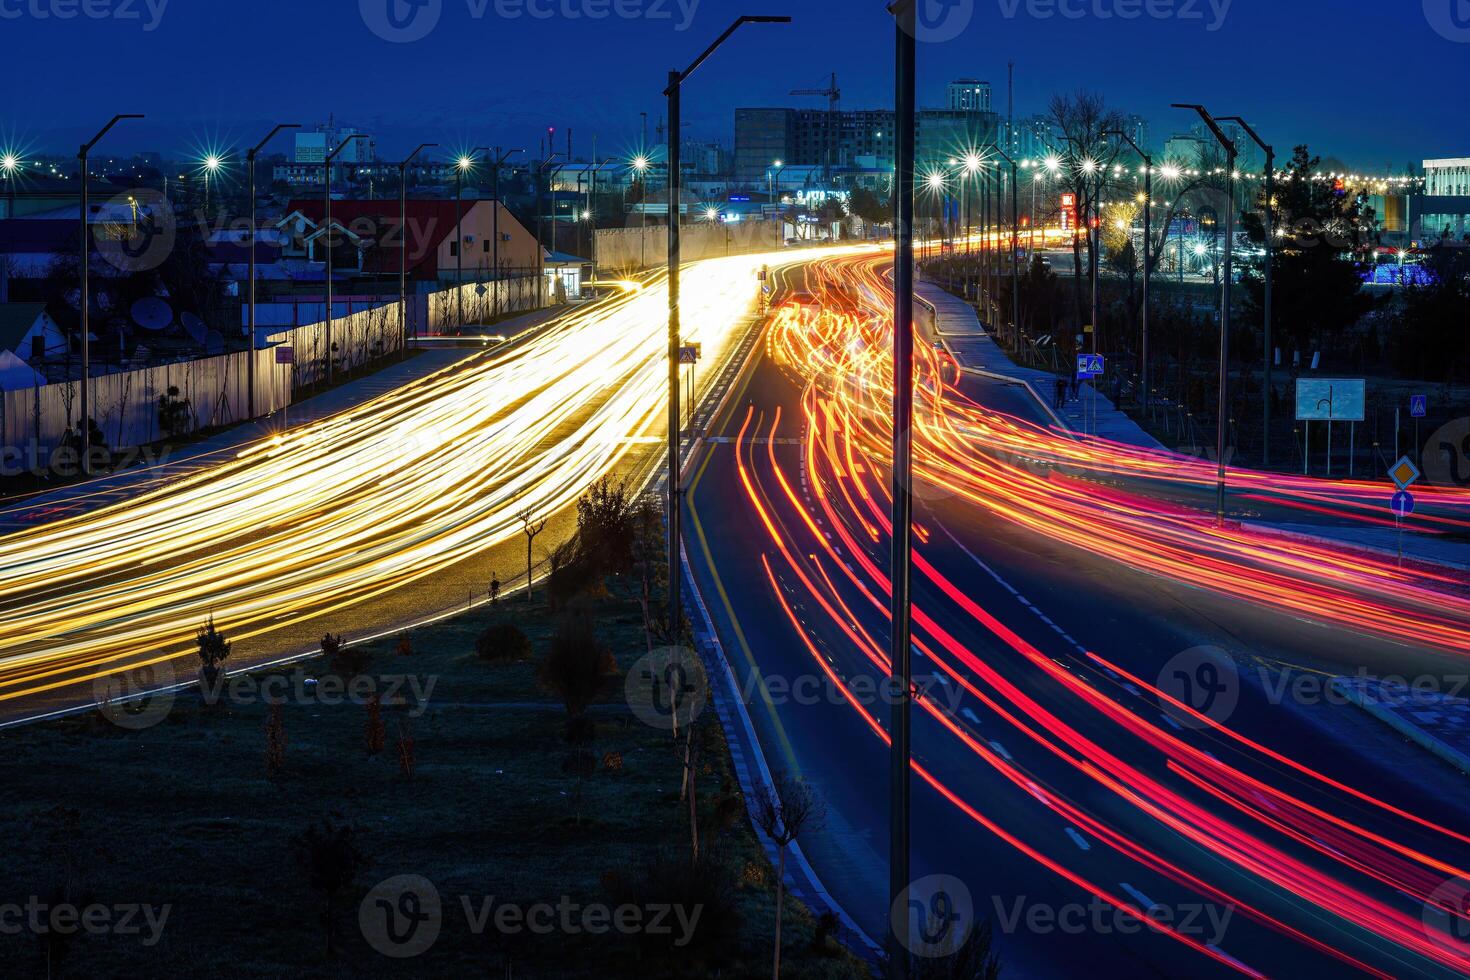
{"x":754,"y":770}
{"x":1407,"y":729}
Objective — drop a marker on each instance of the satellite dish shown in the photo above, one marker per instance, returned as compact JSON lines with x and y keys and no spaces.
{"x":214,"y":342}
{"x":194,"y":327}
{"x":152,"y":313}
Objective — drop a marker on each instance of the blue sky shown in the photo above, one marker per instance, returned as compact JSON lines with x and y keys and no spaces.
{"x":1373,"y":83}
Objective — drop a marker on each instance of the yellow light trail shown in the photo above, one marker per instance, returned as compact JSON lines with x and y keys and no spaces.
{"x":349,"y":509}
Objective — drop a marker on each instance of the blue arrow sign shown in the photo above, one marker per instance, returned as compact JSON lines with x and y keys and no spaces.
{"x":1418,"y":406}
{"x":1402,"y":503}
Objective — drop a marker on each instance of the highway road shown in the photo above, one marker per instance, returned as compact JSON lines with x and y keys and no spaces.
{"x":1122,"y":711}
{"x":361,"y":523}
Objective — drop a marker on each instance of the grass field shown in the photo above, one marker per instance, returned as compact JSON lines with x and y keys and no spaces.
{"x":185,"y":814}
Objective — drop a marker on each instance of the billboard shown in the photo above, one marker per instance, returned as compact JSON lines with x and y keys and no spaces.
{"x":1069,"y":211}
{"x":1331,"y":399}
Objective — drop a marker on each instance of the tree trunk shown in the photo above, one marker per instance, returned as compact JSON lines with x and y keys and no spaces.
{"x":780,"y":895}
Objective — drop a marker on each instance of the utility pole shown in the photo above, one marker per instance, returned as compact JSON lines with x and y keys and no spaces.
{"x":86,"y":419}
{"x":672,"y":93}
{"x":1269,"y":231}
{"x":500,"y":159}
{"x":327,"y":243}
{"x":254,"y":234}
{"x":1148,"y":207}
{"x":901,"y":554}
{"x":1225,"y":292}
{"x":403,"y":244}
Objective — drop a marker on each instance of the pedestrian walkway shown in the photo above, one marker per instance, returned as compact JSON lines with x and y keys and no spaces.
{"x":958,"y":329}
{"x":1434,"y":719}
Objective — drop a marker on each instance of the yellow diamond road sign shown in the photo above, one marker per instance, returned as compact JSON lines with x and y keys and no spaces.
{"x":1404,"y":473}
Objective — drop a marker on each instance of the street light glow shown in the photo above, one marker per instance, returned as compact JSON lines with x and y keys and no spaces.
{"x":211,"y":163}
{"x":465,"y":163}
{"x":9,"y":163}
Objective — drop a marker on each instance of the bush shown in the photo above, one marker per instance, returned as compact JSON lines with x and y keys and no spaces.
{"x":606,"y":528}
{"x":573,"y":573}
{"x":576,"y":667}
{"x":503,"y":642}
{"x":676,"y":879}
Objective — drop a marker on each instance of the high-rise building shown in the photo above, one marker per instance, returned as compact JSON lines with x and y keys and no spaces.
{"x":969,"y":95}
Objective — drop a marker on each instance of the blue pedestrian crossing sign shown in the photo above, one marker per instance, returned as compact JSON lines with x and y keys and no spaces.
{"x":1402,"y":503}
{"x":1089,"y":365}
{"x":1418,"y":406}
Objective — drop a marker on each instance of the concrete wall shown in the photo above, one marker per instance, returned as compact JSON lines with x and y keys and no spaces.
{"x":629,"y":249}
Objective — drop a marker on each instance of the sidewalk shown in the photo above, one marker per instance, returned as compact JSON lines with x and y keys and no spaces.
{"x":116,"y":487}
{"x":1438,"y":722}
{"x":958,"y":328}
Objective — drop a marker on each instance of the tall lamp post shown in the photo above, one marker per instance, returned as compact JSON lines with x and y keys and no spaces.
{"x":1015,"y":234}
{"x":403,"y":243}
{"x":250,"y":156}
{"x":1228,"y":145}
{"x":540,"y":249}
{"x":900,"y":651}
{"x":672,"y":92}
{"x":1090,"y":167}
{"x":327,"y":242}
{"x":500,"y":158}
{"x":465,"y":163}
{"x":1269,"y":231}
{"x":86,"y":419}
{"x":1148,"y":208}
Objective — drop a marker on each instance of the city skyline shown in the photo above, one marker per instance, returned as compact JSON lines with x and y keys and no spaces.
{"x":1150,"y":63}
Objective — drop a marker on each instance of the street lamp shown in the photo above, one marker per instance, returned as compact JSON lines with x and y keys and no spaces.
{"x":211,"y":165}
{"x":900,"y":651}
{"x":772,"y":179}
{"x":1229,"y":146}
{"x":463,"y":165}
{"x":327,"y":242}
{"x":1015,"y":234}
{"x":1270,"y":236}
{"x":500,"y":158}
{"x":403,"y":243}
{"x":86,"y":419}
{"x":250,"y":155}
{"x":1148,"y":207}
{"x":640,"y":164}
{"x":672,"y":92}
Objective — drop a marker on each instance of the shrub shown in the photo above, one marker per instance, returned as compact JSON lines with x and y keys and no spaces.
{"x":503,"y":642}
{"x":676,"y":879}
{"x":214,"y":650}
{"x":275,"y":741}
{"x":576,"y":667}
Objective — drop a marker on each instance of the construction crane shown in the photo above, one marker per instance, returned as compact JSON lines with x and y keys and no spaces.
{"x":834,"y":99}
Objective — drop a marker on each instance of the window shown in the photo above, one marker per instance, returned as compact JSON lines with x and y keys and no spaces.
{"x":486,"y":243}
{"x":453,"y":249}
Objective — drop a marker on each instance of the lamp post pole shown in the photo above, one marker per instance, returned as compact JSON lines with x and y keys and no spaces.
{"x":1148,"y":207}
{"x":403,"y":244}
{"x":500,"y":158}
{"x":1269,"y":230}
{"x":1015,"y":234}
{"x":540,"y":249}
{"x":86,"y":419}
{"x":466,"y":161}
{"x":254,"y":233}
{"x":672,"y":93}
{"x":327,"y":243}
{"x":1225,"y":292}
{"x":901,"y":553}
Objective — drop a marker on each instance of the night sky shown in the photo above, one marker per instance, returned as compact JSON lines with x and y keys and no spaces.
{"x":1368,"y":81}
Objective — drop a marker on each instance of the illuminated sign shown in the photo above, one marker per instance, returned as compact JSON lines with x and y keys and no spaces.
{"x":1069,"y":212}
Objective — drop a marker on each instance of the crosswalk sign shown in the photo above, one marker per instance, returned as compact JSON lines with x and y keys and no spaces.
{"x":1089,"y":365}
{"x":1418,"y":406}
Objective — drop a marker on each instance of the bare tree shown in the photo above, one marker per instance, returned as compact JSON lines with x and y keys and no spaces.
{"x":531,"y":527}
{"x":783,"y":815}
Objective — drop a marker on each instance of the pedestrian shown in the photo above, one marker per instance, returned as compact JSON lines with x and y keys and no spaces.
{"x":1059,"y":400}
{"x":1076,"y":384}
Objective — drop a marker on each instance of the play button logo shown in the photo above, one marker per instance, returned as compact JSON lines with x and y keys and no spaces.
{"x":401,"y":21}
